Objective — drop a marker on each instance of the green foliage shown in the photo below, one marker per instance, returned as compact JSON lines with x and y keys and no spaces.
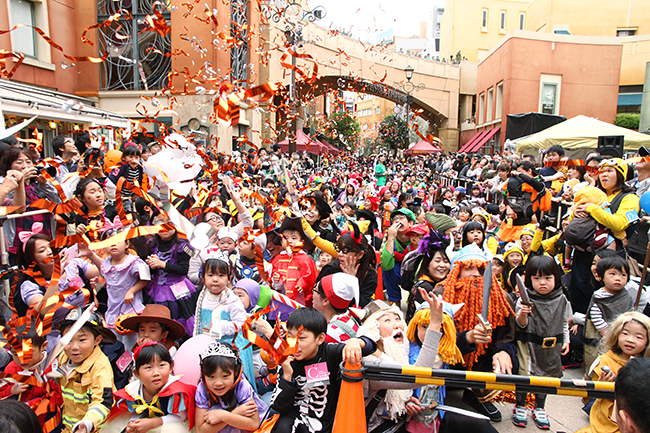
{"x":343,"y":129}
{"x":394,"y":133}
{"x":628,"y":120}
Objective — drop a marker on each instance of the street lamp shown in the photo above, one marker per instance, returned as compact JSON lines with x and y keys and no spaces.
{"x":409,"y":87}
{"x":409,"y":72}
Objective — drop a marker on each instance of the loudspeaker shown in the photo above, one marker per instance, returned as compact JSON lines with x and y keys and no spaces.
{"x":611,"y":145}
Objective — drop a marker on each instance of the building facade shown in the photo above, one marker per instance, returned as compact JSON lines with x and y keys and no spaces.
{"x":197,"y":51}
{"x":473,"y":27}
{"x":538,"y":72}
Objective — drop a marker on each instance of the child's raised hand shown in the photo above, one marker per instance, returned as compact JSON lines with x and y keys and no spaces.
{"x":435,"y":305}
{"x":263,"y":327}
{"x":213,"y":417}
{"x":565,"y":349}
{"x":81,"y":229}
{"x":526,"y":310}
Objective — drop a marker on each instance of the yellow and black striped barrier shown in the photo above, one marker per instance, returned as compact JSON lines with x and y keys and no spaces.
{"x":375,"y":370}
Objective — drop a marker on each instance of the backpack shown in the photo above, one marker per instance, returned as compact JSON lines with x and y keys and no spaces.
{"x":586,"y":234}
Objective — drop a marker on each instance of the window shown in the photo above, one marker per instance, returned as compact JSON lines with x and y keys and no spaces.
{"x":377,"y":110}
{"x":488,"y":109}
{"x":522,"y":20}
{"x":499,"y":104}
{"x":502,"y":23}
{"x":625,"y":32}
{"x":365,"y":112}
{"x":484,"y":20}
{"x":24,"y":38}
{"x":481,"y":108}
{"x":142,"y":61}
{"x":549,"y":97}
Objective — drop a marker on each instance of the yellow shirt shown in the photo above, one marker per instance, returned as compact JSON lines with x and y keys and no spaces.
{"x":619,"y":221}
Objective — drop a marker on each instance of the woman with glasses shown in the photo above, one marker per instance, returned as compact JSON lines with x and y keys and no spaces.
{"x":355,"y":257}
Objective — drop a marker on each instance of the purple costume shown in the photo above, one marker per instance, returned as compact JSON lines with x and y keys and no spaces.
{"x":119,"y":279}
{"x":170,"y":286}
{"x":243,"y":391}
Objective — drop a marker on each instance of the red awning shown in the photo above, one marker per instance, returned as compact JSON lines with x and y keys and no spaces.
{"x":486,"y":137}
{"x":421,"y":147}
{"x":305,"y":143}
{"x":472,"y":141}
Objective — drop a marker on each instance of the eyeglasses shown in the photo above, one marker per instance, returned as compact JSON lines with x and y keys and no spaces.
{"x":345,"y":250}
{"x":213,"y":219}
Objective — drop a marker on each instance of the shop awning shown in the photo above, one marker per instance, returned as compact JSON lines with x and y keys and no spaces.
{"x":24,"y":100}
{"x":480,"y":143}
{"x":472,"y":141}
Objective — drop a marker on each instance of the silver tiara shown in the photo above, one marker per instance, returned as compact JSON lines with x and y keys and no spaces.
{"x":219,"y":349}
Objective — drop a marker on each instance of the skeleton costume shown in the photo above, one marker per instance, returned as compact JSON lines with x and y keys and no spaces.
{"x":310,"y":408}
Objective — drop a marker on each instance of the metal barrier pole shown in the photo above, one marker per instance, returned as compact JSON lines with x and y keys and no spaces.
{"x":481,"y":380}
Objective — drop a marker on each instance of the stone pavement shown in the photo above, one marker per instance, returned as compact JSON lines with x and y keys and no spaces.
{"x":564,"y":413}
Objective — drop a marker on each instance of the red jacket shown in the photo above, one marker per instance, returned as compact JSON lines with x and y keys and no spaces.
{"x":34,"y":391}
{"x":297,"y":271}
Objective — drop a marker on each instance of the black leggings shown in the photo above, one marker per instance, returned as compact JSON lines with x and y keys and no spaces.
{"x":540,"y":400}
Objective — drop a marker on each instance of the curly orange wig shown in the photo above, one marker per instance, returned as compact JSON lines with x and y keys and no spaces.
{"x":447,"y":348}
{"x":470,"y":291}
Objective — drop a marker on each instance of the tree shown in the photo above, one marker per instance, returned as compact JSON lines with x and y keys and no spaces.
{"x":628,"y":120}
{"x":343,"y":129}
{"x":394,"y":133}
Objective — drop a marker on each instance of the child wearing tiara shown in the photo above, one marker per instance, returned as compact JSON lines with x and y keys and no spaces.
{"x":225,"y":400}
{"x":155,"y":399}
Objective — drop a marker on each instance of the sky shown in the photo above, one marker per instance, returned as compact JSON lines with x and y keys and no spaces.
{"x":365,"y":18}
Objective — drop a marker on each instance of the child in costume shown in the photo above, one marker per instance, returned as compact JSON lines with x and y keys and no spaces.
{"x":85,"y":375}
{"x":244,"y":264}
{"x":305,"y":402}
{"x":429,"y":419}
{"x":131,"y":169}
{"x":334,"y":295}
{"x":157,"y":400}
{"x":220,"y":313}
{"x":627,"y":337}
{"x":169,"y":260}
{"x":542,"y":333}
{"x":294,"y":272}
{"x":126,"y":275}
{"x":155,"y":324}
{"x":393,"y":252}
{"x":225,"y":400}
{"x":606,"y":304}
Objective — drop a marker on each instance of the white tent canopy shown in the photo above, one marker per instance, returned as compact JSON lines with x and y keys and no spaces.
{"x":580,"y":134}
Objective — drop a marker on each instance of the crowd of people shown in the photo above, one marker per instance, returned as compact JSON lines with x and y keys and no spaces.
{"x":274,"y":270}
